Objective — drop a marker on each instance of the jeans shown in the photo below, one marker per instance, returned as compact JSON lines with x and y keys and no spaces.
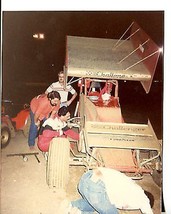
{"x":33,"y":131}
{"x":94,"y":197}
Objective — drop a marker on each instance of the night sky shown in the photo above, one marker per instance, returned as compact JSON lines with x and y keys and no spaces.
{"x":30,"y":65}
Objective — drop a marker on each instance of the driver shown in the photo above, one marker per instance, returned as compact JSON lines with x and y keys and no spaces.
{"x":55,"y":127}
{"x":105,"y":93}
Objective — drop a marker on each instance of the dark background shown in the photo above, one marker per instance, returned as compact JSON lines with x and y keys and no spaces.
{"x":30,"y":65}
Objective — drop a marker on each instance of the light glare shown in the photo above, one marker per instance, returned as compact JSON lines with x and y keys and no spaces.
{"x":161,"y":50}
{"x":35,"y":36}
{"x":39,"y":36}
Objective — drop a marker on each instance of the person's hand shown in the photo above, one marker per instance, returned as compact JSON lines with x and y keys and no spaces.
{"x":38,"y":123}
{"x":64,"y":104}
{"x":60,"y":132}
{"x":69,"y":102}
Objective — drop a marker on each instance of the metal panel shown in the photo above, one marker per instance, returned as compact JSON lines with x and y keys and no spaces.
{"x":121,"y":135}
{"x":118,"y":128}
{"x":122,"y":141}
{"x":95,"y":58}
{"x":149,"y":51}
{"x":127,"y":59}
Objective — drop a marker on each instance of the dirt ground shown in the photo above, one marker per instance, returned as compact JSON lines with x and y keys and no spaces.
{"x":24,"y":189}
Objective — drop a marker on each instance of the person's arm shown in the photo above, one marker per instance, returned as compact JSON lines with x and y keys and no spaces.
{"x":41,"y":110}
{"x":72,"y":99}
{"x":49,"y":89}
{"x":37,"y":120}
{"x":72,"y":134}
{"x":51,"y":133}
{"x":53,"y":114}
{"x":55,"y":110}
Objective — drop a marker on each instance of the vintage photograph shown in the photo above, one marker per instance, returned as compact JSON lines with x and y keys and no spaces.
{"x":82,"y":112}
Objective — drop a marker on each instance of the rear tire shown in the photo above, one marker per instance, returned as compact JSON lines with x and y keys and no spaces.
{"x":5,"y":137}
{"x":58,"y":163}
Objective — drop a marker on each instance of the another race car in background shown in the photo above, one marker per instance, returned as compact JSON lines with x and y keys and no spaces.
{"x":22,"y":120}
{"x":7,"y":129}
{"x":9,"y":125}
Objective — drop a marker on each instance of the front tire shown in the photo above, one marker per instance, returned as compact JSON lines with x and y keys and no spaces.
{"x":58,"y":163}
{"x":5,"y":137}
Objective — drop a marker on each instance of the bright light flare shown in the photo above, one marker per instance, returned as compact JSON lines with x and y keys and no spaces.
{"x":39,"y":35}
{"x":161,"y":50}
{"x":35,"y":36}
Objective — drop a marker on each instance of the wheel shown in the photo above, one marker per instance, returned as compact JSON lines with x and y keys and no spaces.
{"x":5,"y":136}
{"x":27,"y":127}
{"x":58,"y":163}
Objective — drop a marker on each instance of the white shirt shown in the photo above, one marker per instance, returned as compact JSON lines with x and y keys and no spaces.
{"x":56,"y":123}
{"x":123,"y":192}
{"x":56,"y":86}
